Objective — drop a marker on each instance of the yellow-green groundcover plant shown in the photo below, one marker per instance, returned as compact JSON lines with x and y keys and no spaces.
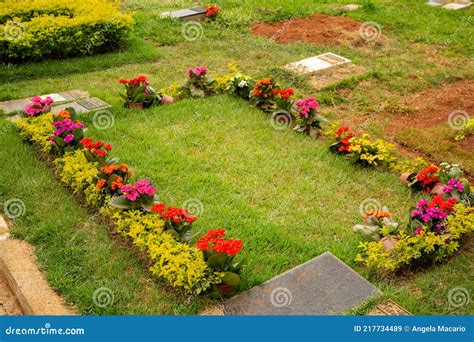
{"x":59,"y":28}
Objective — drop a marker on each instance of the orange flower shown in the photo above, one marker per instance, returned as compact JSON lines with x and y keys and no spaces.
{"x":64,"y":114}
{"x":100,"y":183}
{"x":109,"y":169}
{"x":376,"y":214}
{"x":117,"y":184}
{"x":124,"y":168}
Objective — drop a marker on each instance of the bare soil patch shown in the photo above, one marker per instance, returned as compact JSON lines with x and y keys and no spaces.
{"x":319,"y":28}
{"x":433,"y":107}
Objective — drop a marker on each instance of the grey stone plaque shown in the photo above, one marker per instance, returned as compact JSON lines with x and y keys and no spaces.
{"x":322,"y":286}
{"x":93,"y":103}
{"x":75,"y":105}
{"x":195,"y":13}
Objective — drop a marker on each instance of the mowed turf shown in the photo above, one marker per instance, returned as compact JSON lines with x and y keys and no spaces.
{"x":286,"y":196}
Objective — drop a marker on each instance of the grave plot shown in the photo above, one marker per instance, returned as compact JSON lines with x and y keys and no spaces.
{"x":317,"y":29}
{"x":435,"y":125}
{"x":77,"y":99}
{"x":326,"y":69}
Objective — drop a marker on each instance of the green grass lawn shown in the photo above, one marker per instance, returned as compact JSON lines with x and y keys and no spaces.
{"x":285,"y":195}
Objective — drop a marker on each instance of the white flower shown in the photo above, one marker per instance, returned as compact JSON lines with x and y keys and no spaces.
{"x":242,"y":84}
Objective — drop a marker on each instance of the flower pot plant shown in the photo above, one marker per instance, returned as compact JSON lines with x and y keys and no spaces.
{"x":139,"y":94}
{"x":219,"y":254}
{"x":307,"y":118}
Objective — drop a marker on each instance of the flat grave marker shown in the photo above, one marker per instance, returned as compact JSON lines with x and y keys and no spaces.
{"x":322,"y":286}
{"x":195,"y":13}
{"x":318,"y":64}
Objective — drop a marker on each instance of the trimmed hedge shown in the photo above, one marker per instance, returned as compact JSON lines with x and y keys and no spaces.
{"x":59,"y":28}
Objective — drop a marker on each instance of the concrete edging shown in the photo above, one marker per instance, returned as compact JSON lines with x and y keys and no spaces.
{"x":26,"y":282}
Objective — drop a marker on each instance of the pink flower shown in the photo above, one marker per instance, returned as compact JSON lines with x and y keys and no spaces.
{"x":306,"y":105}
{"x":68,"y":138}
{"x":198,"y":71}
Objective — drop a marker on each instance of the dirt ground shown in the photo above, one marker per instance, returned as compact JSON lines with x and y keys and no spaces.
{"x":434,"y":107}
{"x":319,"y":28}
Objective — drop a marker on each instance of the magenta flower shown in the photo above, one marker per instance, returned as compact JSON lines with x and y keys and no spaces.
{"x":141,"y":187}
{"x":306,"y":105}
{"x":68,"y":138}
{"x":38,"y":106}
{"x":198,"y":71}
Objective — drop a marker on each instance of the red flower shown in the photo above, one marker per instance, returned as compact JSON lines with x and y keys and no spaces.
{"x":99,"y":153}
{"x":123,"y":81}
{"x":214,"y":240}
{"x":428,"y":176}
{"x":108,"y":147}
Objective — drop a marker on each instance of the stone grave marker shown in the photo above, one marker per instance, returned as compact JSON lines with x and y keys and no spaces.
{"x":318,"y":64}
{"x":457,"y":5}
{"x":322,"y":286}
{"x":59,"y":98}
{"x":438,"y":2}
{"x":350,"y":7}
{"x":195,"y":14}
{"x":93,"y":104}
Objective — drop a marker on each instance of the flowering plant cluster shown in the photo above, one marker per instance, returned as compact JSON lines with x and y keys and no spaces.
{"x":343,"y":140}
{"x":178,"y":222}
{"x":240,"y":85}
{"x":219,"y":254}
{"x":38,"y":106}
{"x":139,"y":91}
{"x":370,"y":152}
{"x":96,"y":151}
{"x":431,"y":215}
{"x":198,"y":83}
{"x":111,"y":177}
{"x":136,"y":196}
{"x":377,"y":223}
{"x":263,"y":94}
{"x":424,"y":180}
{"x":307,"y":117}
{"x":67,"y":134}
{"x":212,"y":11}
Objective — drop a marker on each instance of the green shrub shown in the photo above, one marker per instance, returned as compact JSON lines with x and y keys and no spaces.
{"x":59,"y":28}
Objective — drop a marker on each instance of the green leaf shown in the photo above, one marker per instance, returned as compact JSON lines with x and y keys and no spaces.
{"x":59,"y":141}
{"x":120,"y":202}
{"x":139,"y":98}
{"x":231,"y":278}
{"x":138,"y":91}
{"x":217,"y":261}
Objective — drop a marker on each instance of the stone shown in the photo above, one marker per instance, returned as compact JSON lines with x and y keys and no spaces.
{"x":62,"y":97}
{"x":75,"y":94}
{"x":56,"y":97}
{"x":438,"y":2}
{"x":457,"y":5}
{"x":75,"y":105}
{"x":93,"y":103}
{"x":318,"y":64}
{"x":14,"y":105}
{"x":195,"y":13}
{"x":321,"y":286}
{"x":350,"y":7}
{"x":389,"y":308}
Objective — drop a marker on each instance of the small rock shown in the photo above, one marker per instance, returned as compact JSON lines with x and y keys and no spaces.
{"x":350,"y":7}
